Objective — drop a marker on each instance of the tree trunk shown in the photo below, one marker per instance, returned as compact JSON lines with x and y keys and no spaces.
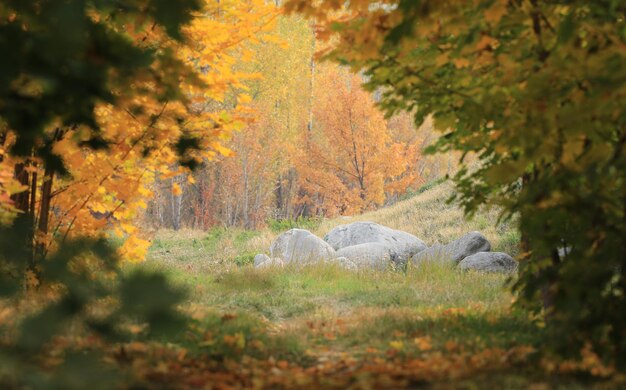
{"x":175,"y":204}
{"x":44,"y":211}
{"x":278,"y":196}
{"x":33,"y":195}
{"x":312,"y":78}
{"x":21,"y":200}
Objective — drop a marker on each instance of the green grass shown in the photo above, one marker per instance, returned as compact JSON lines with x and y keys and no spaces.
{"x":304,"y":315}
{"x":321,"y":307}
{"x":215,"y":266}
{"x":426,"y":215}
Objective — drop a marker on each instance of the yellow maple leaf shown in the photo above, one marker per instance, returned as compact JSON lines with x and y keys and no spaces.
{"x":134,"y":249}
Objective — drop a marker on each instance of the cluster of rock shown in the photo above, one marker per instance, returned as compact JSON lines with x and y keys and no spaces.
{"x":370,"y":245}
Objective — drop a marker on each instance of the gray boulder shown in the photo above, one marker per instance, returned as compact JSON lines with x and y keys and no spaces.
{"x":436,"y":253}
{"x":369,"y":255}
{"x":270,"y":263}
{"x":455,"y":251}
{"x":400,"y":245}
{"x":301,"y":246}
{"x":260,"y":258}
{"x":345,"y":263}
{"x":489,"y":262}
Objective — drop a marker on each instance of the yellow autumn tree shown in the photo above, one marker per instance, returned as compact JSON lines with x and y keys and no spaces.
{"x":105,"y":189}
{"x":258,"y":181}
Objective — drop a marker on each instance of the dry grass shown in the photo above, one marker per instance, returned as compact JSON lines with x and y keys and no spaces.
{"x":361,"y":309}
{"x":316,"y":315}
{"x":430,"y":218}
{"x":426,"y":215}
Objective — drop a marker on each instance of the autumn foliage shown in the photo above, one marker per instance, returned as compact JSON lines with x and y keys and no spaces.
{"x":297,"y":158}
{"x":172,"y":116}
{"x":118,"y":118}
{"x":535,"y":89}
{"x":351,"y":162}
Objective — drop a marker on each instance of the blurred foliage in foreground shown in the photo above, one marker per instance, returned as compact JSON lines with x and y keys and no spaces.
{"x":537,"y":90}
{"x":79,"y":293}
{"x":68,"y":61}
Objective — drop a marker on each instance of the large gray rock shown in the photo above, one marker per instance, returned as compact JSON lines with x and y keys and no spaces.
{"x":369,"y":255}
{"x":301,"y":246}
{"x":260,"y":258}
{"x":455,"y":251}
{"x":489,"y":262}
{"x":400,"y":245}
{"x":270,"y":263}
{"x":345,"y":263}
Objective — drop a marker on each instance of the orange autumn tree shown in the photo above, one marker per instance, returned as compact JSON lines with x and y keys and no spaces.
{"x":350,"y":160}
{"x":146,"y":132}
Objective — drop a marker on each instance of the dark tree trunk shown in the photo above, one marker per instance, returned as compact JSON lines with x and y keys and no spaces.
{"x":21,"y":200}
{"x":44,"y":209}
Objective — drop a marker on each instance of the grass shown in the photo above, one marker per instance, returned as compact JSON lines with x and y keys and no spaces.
{"x":318,"y":313}
{"x":461,"y":323}
{"x":426,"y":215}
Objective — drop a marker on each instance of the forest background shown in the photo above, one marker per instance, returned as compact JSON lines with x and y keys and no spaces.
{"x":317,"y":146}
{"x":118,"y":119}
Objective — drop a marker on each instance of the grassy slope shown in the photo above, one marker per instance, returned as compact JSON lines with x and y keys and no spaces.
{"x":426,"y":215}
{"x":430,"y":218}
{"x":320,"y":314}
